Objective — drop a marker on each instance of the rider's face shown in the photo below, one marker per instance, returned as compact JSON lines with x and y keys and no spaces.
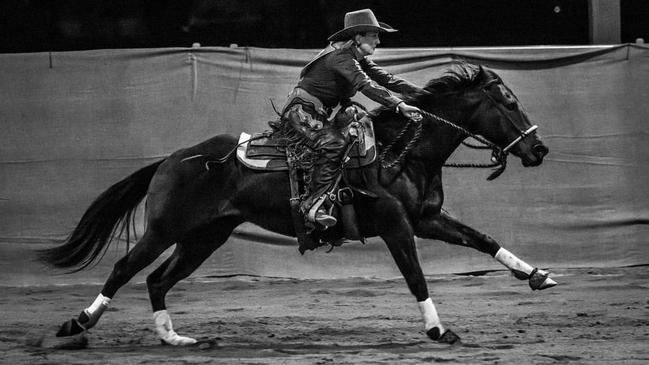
{"x":367,"y":42}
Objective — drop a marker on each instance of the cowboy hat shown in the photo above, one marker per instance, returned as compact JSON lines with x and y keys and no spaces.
{"x":360,"y":21}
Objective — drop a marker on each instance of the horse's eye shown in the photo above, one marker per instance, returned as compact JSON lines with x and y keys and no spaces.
{"x":510,"y":104}
{"x":509,"y":100}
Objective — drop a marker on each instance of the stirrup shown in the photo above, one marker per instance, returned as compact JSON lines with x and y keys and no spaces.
{"x":318,"y":215}
{"x":321,"y":217}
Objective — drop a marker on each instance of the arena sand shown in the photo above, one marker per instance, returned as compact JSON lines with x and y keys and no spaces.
{"x":593,"y":316}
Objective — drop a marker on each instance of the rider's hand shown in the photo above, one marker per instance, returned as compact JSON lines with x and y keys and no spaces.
{"x":409,"y":111}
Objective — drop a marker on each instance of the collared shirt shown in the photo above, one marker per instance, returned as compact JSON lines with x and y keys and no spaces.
{"x":338,"y":75}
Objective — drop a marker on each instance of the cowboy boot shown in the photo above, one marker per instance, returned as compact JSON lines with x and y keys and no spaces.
{"x":330,"y":146}
{"x":321,"y":181}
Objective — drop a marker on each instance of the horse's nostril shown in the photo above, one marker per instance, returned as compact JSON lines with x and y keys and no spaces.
{"x":540,"y":150}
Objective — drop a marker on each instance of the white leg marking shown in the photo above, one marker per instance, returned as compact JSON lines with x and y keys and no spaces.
{"x":429,"y":314}
{"x":100,"y":303}
{"x":166,"y":331}
{"x":512,"y":262}
{"x":96,"y":309}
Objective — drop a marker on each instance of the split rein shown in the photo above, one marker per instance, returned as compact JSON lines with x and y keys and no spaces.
{"x":498,"y":155}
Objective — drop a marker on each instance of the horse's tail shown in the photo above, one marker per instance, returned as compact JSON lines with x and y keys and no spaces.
{"x":113,"y":208}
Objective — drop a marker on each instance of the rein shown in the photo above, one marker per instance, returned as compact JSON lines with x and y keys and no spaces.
{"x":498,"y":155}
{"x":404,"y":152}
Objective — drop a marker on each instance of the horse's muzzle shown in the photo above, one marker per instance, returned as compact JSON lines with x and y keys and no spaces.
{"x":538,"y":152}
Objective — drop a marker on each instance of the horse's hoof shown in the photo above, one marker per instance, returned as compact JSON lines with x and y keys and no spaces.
{"x":177,"y":340}
{"x":540,"y":280}
{"x":70,"y":328}
{"x":448,"y":336}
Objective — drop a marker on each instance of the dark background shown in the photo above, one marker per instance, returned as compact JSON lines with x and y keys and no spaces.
{"x":46,"y":25}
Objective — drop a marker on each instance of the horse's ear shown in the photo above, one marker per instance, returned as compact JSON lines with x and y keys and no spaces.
{"x":482,"y":73}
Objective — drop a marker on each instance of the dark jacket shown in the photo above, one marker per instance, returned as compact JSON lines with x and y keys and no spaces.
{"x":336,"y":76}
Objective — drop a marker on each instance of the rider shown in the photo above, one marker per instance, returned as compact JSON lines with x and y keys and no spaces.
{"x":330,"y":80}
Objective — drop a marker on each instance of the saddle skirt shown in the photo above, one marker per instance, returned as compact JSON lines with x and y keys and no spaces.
{"x":263,"y":152}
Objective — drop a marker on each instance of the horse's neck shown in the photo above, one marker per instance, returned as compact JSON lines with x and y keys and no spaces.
{"x":456,"y":111}
{"x":449,"y":139}
{"x":442,"y":139}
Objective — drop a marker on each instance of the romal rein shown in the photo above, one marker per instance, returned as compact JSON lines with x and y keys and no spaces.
{"x":498,"y":155}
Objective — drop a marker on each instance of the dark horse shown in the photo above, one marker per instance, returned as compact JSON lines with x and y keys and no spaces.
{"x":197,"y":208}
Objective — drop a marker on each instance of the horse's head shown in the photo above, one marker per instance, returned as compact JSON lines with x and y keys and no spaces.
{"x":485,"y":106}
{"x":500,"y":118}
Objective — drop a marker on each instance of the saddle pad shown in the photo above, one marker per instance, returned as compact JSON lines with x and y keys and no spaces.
{"x":264,"y":147}
{"x":268,"y":164}
{"x":269,"y":154}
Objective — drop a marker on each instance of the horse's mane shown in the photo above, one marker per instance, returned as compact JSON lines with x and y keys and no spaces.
{"x":458,"y":77}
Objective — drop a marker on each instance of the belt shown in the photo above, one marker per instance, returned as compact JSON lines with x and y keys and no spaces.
{"x":306,"y":96}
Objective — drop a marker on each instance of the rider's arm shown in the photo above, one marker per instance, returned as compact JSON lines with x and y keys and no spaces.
{"x":388,"y":80}
{"x":349,"y":68}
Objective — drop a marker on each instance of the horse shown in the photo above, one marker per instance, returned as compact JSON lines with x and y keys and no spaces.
{"x":197,"y":209}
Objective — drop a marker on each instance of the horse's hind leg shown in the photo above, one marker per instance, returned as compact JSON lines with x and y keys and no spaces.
{"x":148,"y":248}
{"x":445,"y":228}
{"x":189,"y":254}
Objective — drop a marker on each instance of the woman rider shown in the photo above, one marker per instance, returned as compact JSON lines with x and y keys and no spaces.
{"x":330,"y":80}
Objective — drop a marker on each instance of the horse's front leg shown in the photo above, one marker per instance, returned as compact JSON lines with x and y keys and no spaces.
{"x":445,"y":228}
{"x":401,"y":243}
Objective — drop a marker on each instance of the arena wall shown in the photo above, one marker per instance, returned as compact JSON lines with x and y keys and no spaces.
{"x":74,"y":123}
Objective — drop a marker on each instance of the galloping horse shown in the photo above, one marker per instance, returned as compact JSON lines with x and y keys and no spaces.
{"x":197,"y":208}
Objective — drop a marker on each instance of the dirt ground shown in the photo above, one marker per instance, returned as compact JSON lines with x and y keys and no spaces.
{"x":593,"y":316}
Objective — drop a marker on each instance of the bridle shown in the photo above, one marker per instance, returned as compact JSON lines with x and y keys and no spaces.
{"x":523,"y":133}
{"x":498,"y":154}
